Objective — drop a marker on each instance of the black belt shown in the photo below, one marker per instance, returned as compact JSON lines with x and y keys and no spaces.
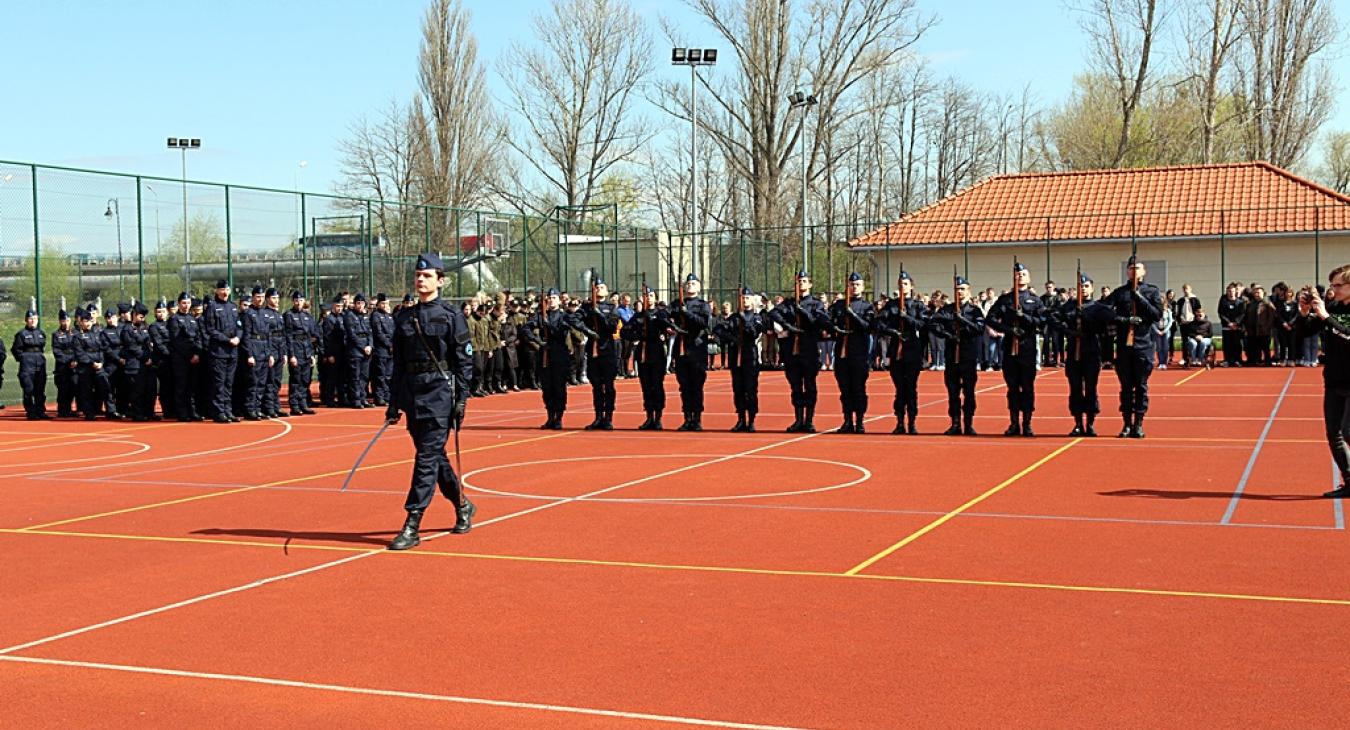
{"x":426,"y":366}
{"x":259,"y":339}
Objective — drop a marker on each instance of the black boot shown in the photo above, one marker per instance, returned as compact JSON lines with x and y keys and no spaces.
{"x":1014,"y":428}
{"x":688,"y":424}
{"x":464,"y":517}
{"x":608,"y":423}
{"x":1089,"y":431}
{"x":408,"y":536}
{"x":647,"y":424}
{"x":910,"y":428}
{"x":656,"y":421}
{"x":970,"y":424}
{"x":808,"y":416}
{"x":899,"y":425}
{"x":749,"y":422}
{"x":1026,"y":424}
{"x":1138,"y":431}
{"x":1128,"y":430}
{"x":858,"y":426}
{"x":594,"y":424}
{"x":548,"y":423}
{"x":847,"y":426}
{"x":797,"y":422}
{"x":954,"y":429}
{"x":1077,"y":426}
{"x":696,"y":421}
{"x":740,"y":421}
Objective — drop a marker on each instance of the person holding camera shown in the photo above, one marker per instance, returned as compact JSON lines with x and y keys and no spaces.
{"x":1331,"y":318}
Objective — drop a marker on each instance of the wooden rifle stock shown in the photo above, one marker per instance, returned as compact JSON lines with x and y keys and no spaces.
{"x":1078,"y":282}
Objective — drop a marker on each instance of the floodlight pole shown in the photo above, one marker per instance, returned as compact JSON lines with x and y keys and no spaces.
{"x":181,"y":144}
{"x":115,"y":212}
{"x":804,"y":102}
{"x":693,"y":58}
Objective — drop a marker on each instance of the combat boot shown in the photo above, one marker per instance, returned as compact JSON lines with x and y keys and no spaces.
{"x":1077,"y":426}
{"x":797,"y":422}
{"x":656,"y":421}
{"x":464,"y":517}
{"x":808,"y":418}
{"x":1128,"y":430}
{"x":1138,"y":431}
{"x":954,"y":429}
{"x":1026,"y":424}
{"x":408,"y":537}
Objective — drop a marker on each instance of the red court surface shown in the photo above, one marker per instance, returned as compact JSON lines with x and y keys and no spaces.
{"x":180,"y":575}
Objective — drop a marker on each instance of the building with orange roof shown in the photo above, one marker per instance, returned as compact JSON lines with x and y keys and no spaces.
{"x":1198,"y":224}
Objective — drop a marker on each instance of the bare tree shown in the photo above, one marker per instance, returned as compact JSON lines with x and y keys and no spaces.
{"x":1335,"y":172}
{"x":848,"y":40}
{"x":1211,"y":29}
{"x":1288,"y":93}
{"x":1120,"y":34}
{"x":573,"y":89}
{"x":381,"y":159}
{"x":459,"y":129}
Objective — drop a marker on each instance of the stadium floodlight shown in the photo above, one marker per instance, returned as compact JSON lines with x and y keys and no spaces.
{"x":803,"y":101}
{"x":183,"y":144}
{"x":693,"y":58}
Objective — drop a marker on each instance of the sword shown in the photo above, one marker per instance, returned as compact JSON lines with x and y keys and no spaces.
{"x":362,"y":457}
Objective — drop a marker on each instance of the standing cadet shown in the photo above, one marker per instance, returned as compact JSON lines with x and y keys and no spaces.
{"x":550,"y":331}
{"x":600,"y":321}
{"x":220,"y":330}
{"x":185,"y":346}
{"x":109,"y":339}
{"x":242,"y":390}
{"x":257,"y":348}
{"x":30,"y":350}
{"x":647,"y":329}
{"x":382,"y":354}
{"x":356,"y":334}
{"x":1082,"y":327}
{"x":961,"y":324}
{"x":333,"y":357}
{"x":905,"y":319}
{"x":803,"y":317}
{"x":432,"y":367}
{"x":94,"y":391}
{"x":1136,"y":306}
{"x":279,"y":352}
{"x":162,"y":356}
{"x":135,"y":357}
{"x":852,"y":319}
{"x":63,"y":352}
{"x":739,"y":335}
{"x":691,"y":316}
{"x":301,"y":334}
{"x":1017,"y":315}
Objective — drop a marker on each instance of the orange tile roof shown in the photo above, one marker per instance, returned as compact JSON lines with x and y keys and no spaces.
{"x":1194,"y":200}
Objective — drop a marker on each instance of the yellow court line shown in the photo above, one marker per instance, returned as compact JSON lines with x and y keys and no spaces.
{"x":84,"y":436}
{"x":943,"y":519}
{"x":1076,"y":588}
{"x":1188,"y":377}
{"x":279,"y":483}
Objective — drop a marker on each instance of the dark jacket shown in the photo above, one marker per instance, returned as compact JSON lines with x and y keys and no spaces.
{"x":432,"y":365}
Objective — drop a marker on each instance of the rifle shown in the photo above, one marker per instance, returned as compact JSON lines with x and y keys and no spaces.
{"x":1017,"y":309}
{"x":1134,"y":302}
{"x":956,"y":318}
{"x":595,"y":314}
{"x":1078,"y":345}
{"x":901,"y":307}
{"x":797,"y":339}
{"x":848,"y":326}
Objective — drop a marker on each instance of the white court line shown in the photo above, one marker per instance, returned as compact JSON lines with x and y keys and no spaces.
{"x":286,"y":428}
{"x":271,"y":681}
{"x":350,"y":558}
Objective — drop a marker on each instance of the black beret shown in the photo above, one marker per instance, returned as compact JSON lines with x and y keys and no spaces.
{"x":429,"y":261}
{"x":359,"y":297}
{"x":297,"y":294}
{"x":257,"y":290}
{"x":855,"y":276}
{"x":222,"y":284}
{"x":62,"y":314}
{"x":123,"y":308}
{"x":184,"y":297}
{"x":381,"y":297}
{"x":30,"y":313}
{"x":140,"y":309}
{"x":271,"y":291}
{"x":407,"y":298}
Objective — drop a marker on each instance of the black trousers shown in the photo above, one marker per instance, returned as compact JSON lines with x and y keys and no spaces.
{"x":801,"y":371}
{"x":298,"y":393}
{"x":1232,"y":347}
{"x":905,"y":377}
{"x":601,"y":370}
{"x":165,"y":387}
{"x":358,"y":374}
{"x":272,"y":390}
{"x":33,"y":381}
{"x":1083,"y":376}
{"x":850,"y":373}
{"x":66,"y":388}
{"x":745,"y":388}
{"x":1258,"y":349}
{"x":1133,"y":366}
{"x":381,"y":368}
{"x":553,"y":383}
{"x":1019,"y":373}
{"x":431,"y":465}
{"x":652,"y":377}
{"x":184,"y":387}
{"x":94,"y":391}
{"x":960,"y":379}
{"x":691,"y":371}
{"x":222,"y":378}
{"x":1336,"y":415}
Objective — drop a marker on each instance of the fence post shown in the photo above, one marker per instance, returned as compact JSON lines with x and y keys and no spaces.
{"x":140,"y":245}
{"x":304,"y":258}
{"x":229,"y":244}
{"x":370,"y":251}
{"x":1223,"y":253}
{"x":1048,"y":277}
{"x":1317,"y":244}
{"x":37,"y":246}
{"x":965,"y":246}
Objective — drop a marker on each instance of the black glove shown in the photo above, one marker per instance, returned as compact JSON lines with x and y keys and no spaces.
{"x":588,"y":332}
{"x":457,"y":414}
{"x":893,"y":333}
{"x":1137,"y":294}
{"x":391,"y":414}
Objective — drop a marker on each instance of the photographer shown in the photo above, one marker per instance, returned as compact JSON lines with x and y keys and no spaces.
{"x":1330,"y":318}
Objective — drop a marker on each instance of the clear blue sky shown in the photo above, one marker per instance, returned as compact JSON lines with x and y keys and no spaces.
{"x":266,"y":84}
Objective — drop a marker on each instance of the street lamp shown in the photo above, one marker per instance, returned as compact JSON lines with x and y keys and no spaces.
{"x":159,"y":249}
{"x":799,"y":100}
{"x":115,"y":211}
{"x":693,"y":58}
{"x":183,"y":144}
